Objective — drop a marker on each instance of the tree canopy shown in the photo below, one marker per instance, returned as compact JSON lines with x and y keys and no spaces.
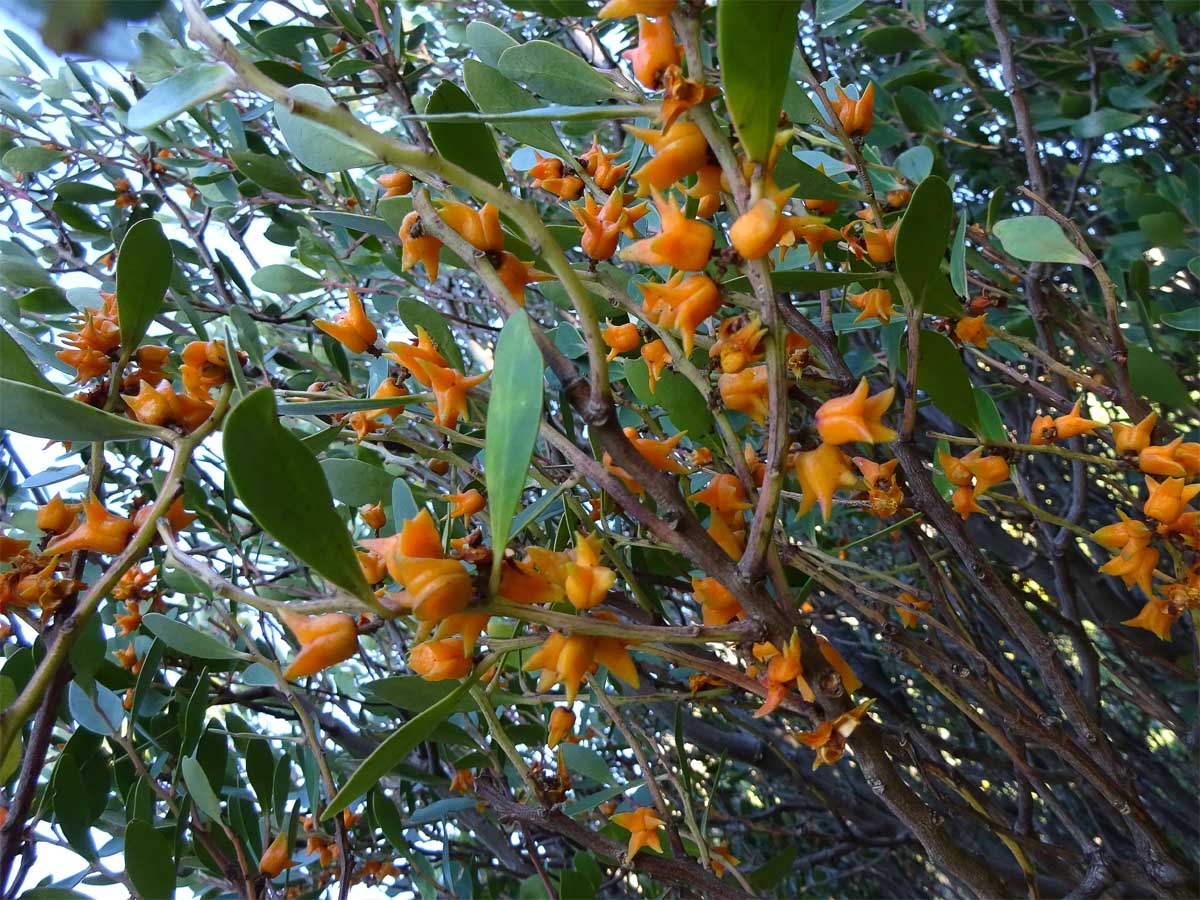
{"x":549,"y":450}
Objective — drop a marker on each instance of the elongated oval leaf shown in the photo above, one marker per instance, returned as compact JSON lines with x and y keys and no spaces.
{"x":199,"y":789}
{"x":280,"y":279}
{"x":468,"y":144}
{"x":493,"y":93}
{"x":942,"y":375}
{"x":755,"y":42}
{"x":282,"y":485}
{"x":180,"y":92}
{"x":316,"y":145}
{"x":958,"y":257}
{"x":357,"y":483}
{"x":16,"y":366}
{"x":1037,"y":239}
{"x":557,"y":74}
{"x":514,"y":413}
{"x":152,"y":867}
{"x":924,"y":233}
{"x":41,"y":412}
{"x":144,"y":267}
{"x":393,"y":750}
{"x":188,"y":640}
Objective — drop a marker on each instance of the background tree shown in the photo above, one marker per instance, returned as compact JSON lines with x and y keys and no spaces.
{"x":540,"y":450}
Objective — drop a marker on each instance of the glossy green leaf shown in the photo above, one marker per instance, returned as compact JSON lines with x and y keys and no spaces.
{"x":280,"y":279}
{"x":829,"y":11}
{"x":810,"y":183}
{"x":1184,"y":319}
{"x":587,"y":762}
{"x":395,"y":748}
{"x":1037,"y":239}
{"x":468,"y":144}
{"x":942,"y":375}
{"x":152,"y":867}
{"x":684,"y":404}
{"x":270,"y":172}
{"x":991,"y":426}
{"x":755,"y":43}
{"x":1155,"y":377}
{"x":179,"y":93}
{"x":16,"y":366}
{"x":144,"y":266}
{"x":314,"y":144}
{"x":488,"y":42}
{"x":45,"y":413}
{"x":188,"y":640}
{"x":557,"y":74}
{"x":958,"y":257}
{"x":282,"y":485}
{"x":357,"y":483}
{"x":918,"y":111}
{"x":28,"y":160}
{"x":924,"y":234}
{"x":514,"y":414}
{"x":493,"y":93}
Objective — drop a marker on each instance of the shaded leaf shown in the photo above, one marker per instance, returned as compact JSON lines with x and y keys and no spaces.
{"x":44,"y":413}
{"x":314,"y":144}
{"x":190,"y":87}
{"x":469,"y":144}
{"x":493,"y":93}
{"x":144,"y":267}
{"x":357,"y":483}
{"x":557,"y":74}
{"x":199,"y":789}
{"x":188,"y":640}
{"x":924,"y":234}
{"x":152,"y":867}
{"x":280,"y":279}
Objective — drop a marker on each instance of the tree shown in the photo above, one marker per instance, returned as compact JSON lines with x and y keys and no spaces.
{"x":539,"y":450}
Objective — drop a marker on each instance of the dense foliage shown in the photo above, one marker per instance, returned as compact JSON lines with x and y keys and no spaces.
{"x":481,"y":449}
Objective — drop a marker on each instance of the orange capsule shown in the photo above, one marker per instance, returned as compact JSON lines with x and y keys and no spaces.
{"x":396,"y":184}
{"x":57,"y":516}
{"x":1162,"y":460}
{"x":325,"y":641}
{"x":517,"y":274}
{"x":856,"y":116}
{"x":562,"y":721}
{"x":417,"y":246}
{"x":746,"y":392}
{"x":466,"y":504}
{"x":1156,"y":617}
{"x":373,"y":515}
{"x":352,"y":329}
{"x":479,"y":228}
{"x":621,"y":339}
{"x":656,"y":50}
{"x":679,"y":151}
{"x":681,"y":243}
{"x":682,"y":304}
{"x":875,"y":303}
{"x":439,"y":660}
{"x":658,"y":453}
{"x":718,"y":606}
{"x":657,"y":358}
{"x":856,"y":417}
{"x":100,"y":532}
{"x":1166,"y":500}
{"x":758,"y":230}
{"x":277,"y":857}
{"x":821,"y":473}
{"x":1134,"y":438}
{"x":973,"y":330}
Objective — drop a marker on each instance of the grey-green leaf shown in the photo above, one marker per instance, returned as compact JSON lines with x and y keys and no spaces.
{"x":144,"y":266}
{"x":314,"y":144}
{"x":199,"y":789}
{"x":182,"y":91}
{"x":557,"y":74}
{"x":41,"y":412}
{"x":1037,"y":239}
{"x":493,"y":93}
{"x":152,"y":867}
{"x":188,"y":640}
{"x":468,"y":144}
{"x":924,"y":233}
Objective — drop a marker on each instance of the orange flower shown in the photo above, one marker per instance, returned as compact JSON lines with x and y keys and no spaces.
{"x":1073,"y":424}
{"x":850,"y":681}
{"x":1165,"y":501}
{"x":856,"y":116}
{"x":205,"y":366}
{"x":128,"y":659}
{"x":728,"y":536}
{"x":643,"y":827}
{"x":599,"y":165}
{"x":875,"y":303}
{"x":545,"y":167}
{"x":413,"y":356}
{"x":373,"y":515}
{"x":1134,"y":567}
{"x":822,"y":207}
{"x":680,"y":94}
{"x":724,"y":495}
{"x":56,"y":516}
{"x":162,"y":406}
{"x":1041,"y":430}
{"x":1161,"y":460}
{"x":783,"y":670}
{"x":679,"y":151}
{"x":87,"y":363}
{"x":631,"y":484}
{"x":657,"y":358}
{"x":813,"y":231}
{"x":821,"y":473}
{"x":760,"y":228}
{"x":681,"y":303}
{"x":134,"y":584}
{"x":277,"y":857}
{"x":656,"y":50}
{"x":479,"y":228}
{"x":739,"y":342}
{"x":707,"y":190}
{"x":517,"y":274}
{"x":988,"y":471}
{"x":721,"y":856}
{"x":467,"y":625}
{"x":829,"y":738}
{"x":522,"y":582}
{"x":562,"y":721}
{"x":587,"y":582}
{"x":601,"y":225}
{"x":325,"y":641}
{"x":439,"y":660}
{"x":964,"y":503}
{"x":907,"y":616}
{"x":856,"y":417}
{"x":658,"y":453}
{"x":1187,"y":455}
{"x":746,"y":392}
{"x":465,"y":504}
{"x":681,"y":243}
{"x":396,"y":184}
{"x":973,"y":330}
{"x":100,"y":532}
{"x":621,"y":339}
{"x":418,"y":247}
{"x":450,"y":388}
{"x":1127,"y":536}
{"x":373,"y":567}
{"x":881,"y":242}
{"x":954,"y":470}
{"x":352,"y":329}
{"x":718,"y":605}
{"x":620,"y":9}
{"x":176,"y":517}
{"x":1156,"y":617}
{"x":463,"y":781}
{"x":883,"y":493}
{"x":568,"y":659}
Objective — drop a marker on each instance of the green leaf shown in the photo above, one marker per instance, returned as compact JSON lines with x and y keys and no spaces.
{"x":942,"y":375}
{"x":152,"y":867}
{"x":1164,"y":229}
{"x":1104,"y":121}
{"x":403,"y":505}
{"x":1155,"y":377}
{"x":831,"y":10}
{"x":812,"y":184}
{"x":1184,"y":319}
{"x":283,"y":487}
{"x":513,"y":415}
{"x":441,"y":809}
{"x":805,"y":281}
{"x":314,"y":144}
{"x":918,"y":111}
{"x":915,"y":163}
{"x":1037,"y":239}
{"x":488,"y":42}
{"x":958,"y":257}
{"x":270,"y":172}
{"x":188,"y":640}
{"x":45,"y":413}
{"x":280,"y":279}
{"x":199,"y":789}
{"x":990,"y":423}
{"x":924,"y":234}
{"x":357,"y":483}
{"x":755,"y":42}
{"x":493,"y":93}
{"x":413,"y":693}
{"x":413,"y":312}
{"x":774,"y":870}
{"x":470,"y":144}
{"x":557,"y":74}
{"x":362,"y":224}
{"x":684,"y":404}
{"x":892,"y":39}
{"x":71,"y":814}
{"x":144,"y":267}
{"x":12,"y":759}
{"x":182,"y":91}
{"x":30,"y":159}
{"x":16,"y":366}
{"x":587,"y":762}
{"x":397,"y":746}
